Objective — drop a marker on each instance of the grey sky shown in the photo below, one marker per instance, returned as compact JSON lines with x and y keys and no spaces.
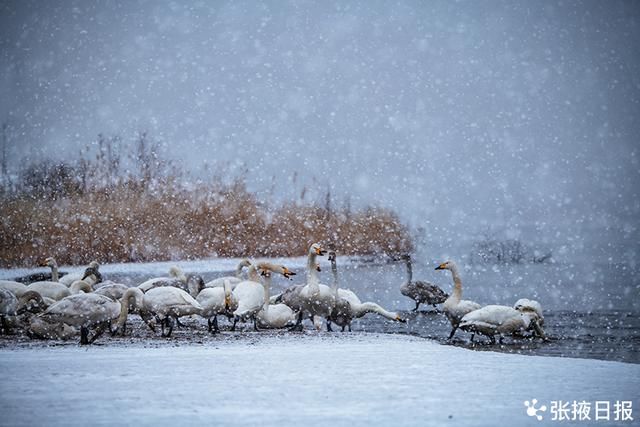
{"x":456,"y":114}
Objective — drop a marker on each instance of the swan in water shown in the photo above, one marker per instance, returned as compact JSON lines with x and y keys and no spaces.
{"x":16,"y":288}
{"x":500,"y":320}
{"x":84,"y":311}
{"x":250,"y":294}
{"x":233,"y":280}
{"x":419,"y":291}
{"x":92,"y":271}
{"x":455,"y":307}
{"x":217,"y":300}
{"x":166,"y":303}
{"x":317,"y":299}
{"x":274,"y":316}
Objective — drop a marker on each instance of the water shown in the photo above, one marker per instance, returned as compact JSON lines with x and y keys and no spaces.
{"x":591,"y":310}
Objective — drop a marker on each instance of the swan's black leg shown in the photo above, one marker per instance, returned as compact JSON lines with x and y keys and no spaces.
{"x":349,"y":326}
{"x":298,"y":325}
{"x":5,"y":327}
{"x":170,"y":323}
{"x":162,"y":324}
{"x":453,"y":331}
{"x":99,"y":331}
{"x":417,"y":305}
{"x":255,"y":323}
{"x":215,"y":324}
{"x":492,"y":339}
{"x":235,"y":320}
{"x":209,"y":324}
{"x":178,"y":323}
{"x":500,"y":339}
{"x":472,"y":336}
{"x":329,"y":326}
{"x":343,"y":326}
{"x":84,"y":335}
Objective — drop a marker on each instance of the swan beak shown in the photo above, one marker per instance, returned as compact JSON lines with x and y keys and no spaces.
{"x":287,"y":273}
{"x":400,"y":319}
{"x":320,"y":251}
{"x":440,"y":267}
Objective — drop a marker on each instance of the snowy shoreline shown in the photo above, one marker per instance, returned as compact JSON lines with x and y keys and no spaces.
{"x":309,"y":379}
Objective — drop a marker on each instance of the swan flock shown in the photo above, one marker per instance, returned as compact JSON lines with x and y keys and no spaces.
{"x":87,"y":305}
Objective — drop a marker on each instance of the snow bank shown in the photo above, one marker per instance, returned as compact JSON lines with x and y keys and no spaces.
{"x":309,"y":379}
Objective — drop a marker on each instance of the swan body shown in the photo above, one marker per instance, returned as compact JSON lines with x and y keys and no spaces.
{"x":524,"y":304}
{"x":215,"y":301}
{"x":90,"y":271}
{"x":359,"y":309}
{"x":112,"y":290}
{"x":419,"y":291}
{"x":233,"y":280}
{"x":16,"y":288}
{"x":494,"y":320}
{"x":84,"y":311}
{"x":157,"y":282}
{"x":274,"y":316}
{"x":341,"y":313}
{"x":166,"y":303}
{"x":39,"y":327}
{"x":53,"y":290}
{"x":454,"y":307}
{"x":316,"y":298}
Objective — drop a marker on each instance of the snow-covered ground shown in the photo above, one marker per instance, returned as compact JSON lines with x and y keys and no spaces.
{"x":286,"y":379}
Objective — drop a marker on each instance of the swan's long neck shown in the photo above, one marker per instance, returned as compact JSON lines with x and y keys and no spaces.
{"x":125,"y":302}
{"x":372,"y":307}
{"x":312,"y":274}
{"x":253,"y":274}
{"x":242,"y":264}
{"x":457,"y":283}
{"x":409,"y":272}
{"x":266,"y":282}
{"x":80,"y":285}
{"x":54,"y":272}
{"x":334,"y":271}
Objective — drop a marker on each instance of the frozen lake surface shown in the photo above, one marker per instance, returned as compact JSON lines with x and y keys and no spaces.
{"x":308,"y":379}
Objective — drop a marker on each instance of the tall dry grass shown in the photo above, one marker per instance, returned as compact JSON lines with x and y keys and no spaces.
{"x":129,"y":222}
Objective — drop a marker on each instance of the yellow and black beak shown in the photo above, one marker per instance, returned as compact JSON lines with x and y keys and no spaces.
{"x":320,"y":251}
{"x":441,"y":267}
{"x":287,"y":273}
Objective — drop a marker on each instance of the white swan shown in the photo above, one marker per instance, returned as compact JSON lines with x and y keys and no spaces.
{"x":217,"y":300}
{"x":341,"y":314}
{"x":317,"y":299}
{"x":250,"y":295}
{"x":500,"y":320}
{"x":53,"y":290}
{"x":11,"y":306}
{"x":157,"y":282}
{"x":51,"y":263}
{"x":39,"y":327}
{"x":112,"y":290}
{"x":84,"y":311}
{"x":274,"y":316}
{"x":233,"y":280}
{"x":455,"y":307}
{"x":92,"y":271}
{"x":524,"y":304}
{"x":419,"y":291}
{"x":166,"y":303}
{"x":16,"y":288}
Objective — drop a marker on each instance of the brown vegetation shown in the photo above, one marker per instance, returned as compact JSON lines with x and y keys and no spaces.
{"x":142,"y":218}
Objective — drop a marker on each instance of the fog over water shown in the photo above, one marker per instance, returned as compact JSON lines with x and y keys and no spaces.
{"x":519,"y":116}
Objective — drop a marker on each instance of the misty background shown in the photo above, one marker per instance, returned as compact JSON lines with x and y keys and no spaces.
{"x":515,"y":117}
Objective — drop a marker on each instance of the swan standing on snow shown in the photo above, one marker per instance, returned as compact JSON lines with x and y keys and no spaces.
{"x":317,"y":299}
{"x":84,"y":311}
{"x":233,"y":280}
{"x":250,"y":294}
{"x":493,"y":320}
{"x":274,"y":316}
{"x":524,"y":304}
{"x":455,"y":307}
{"x":419,"y":291}
{"x":166,"y":303}
{"x":217,"y":300}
